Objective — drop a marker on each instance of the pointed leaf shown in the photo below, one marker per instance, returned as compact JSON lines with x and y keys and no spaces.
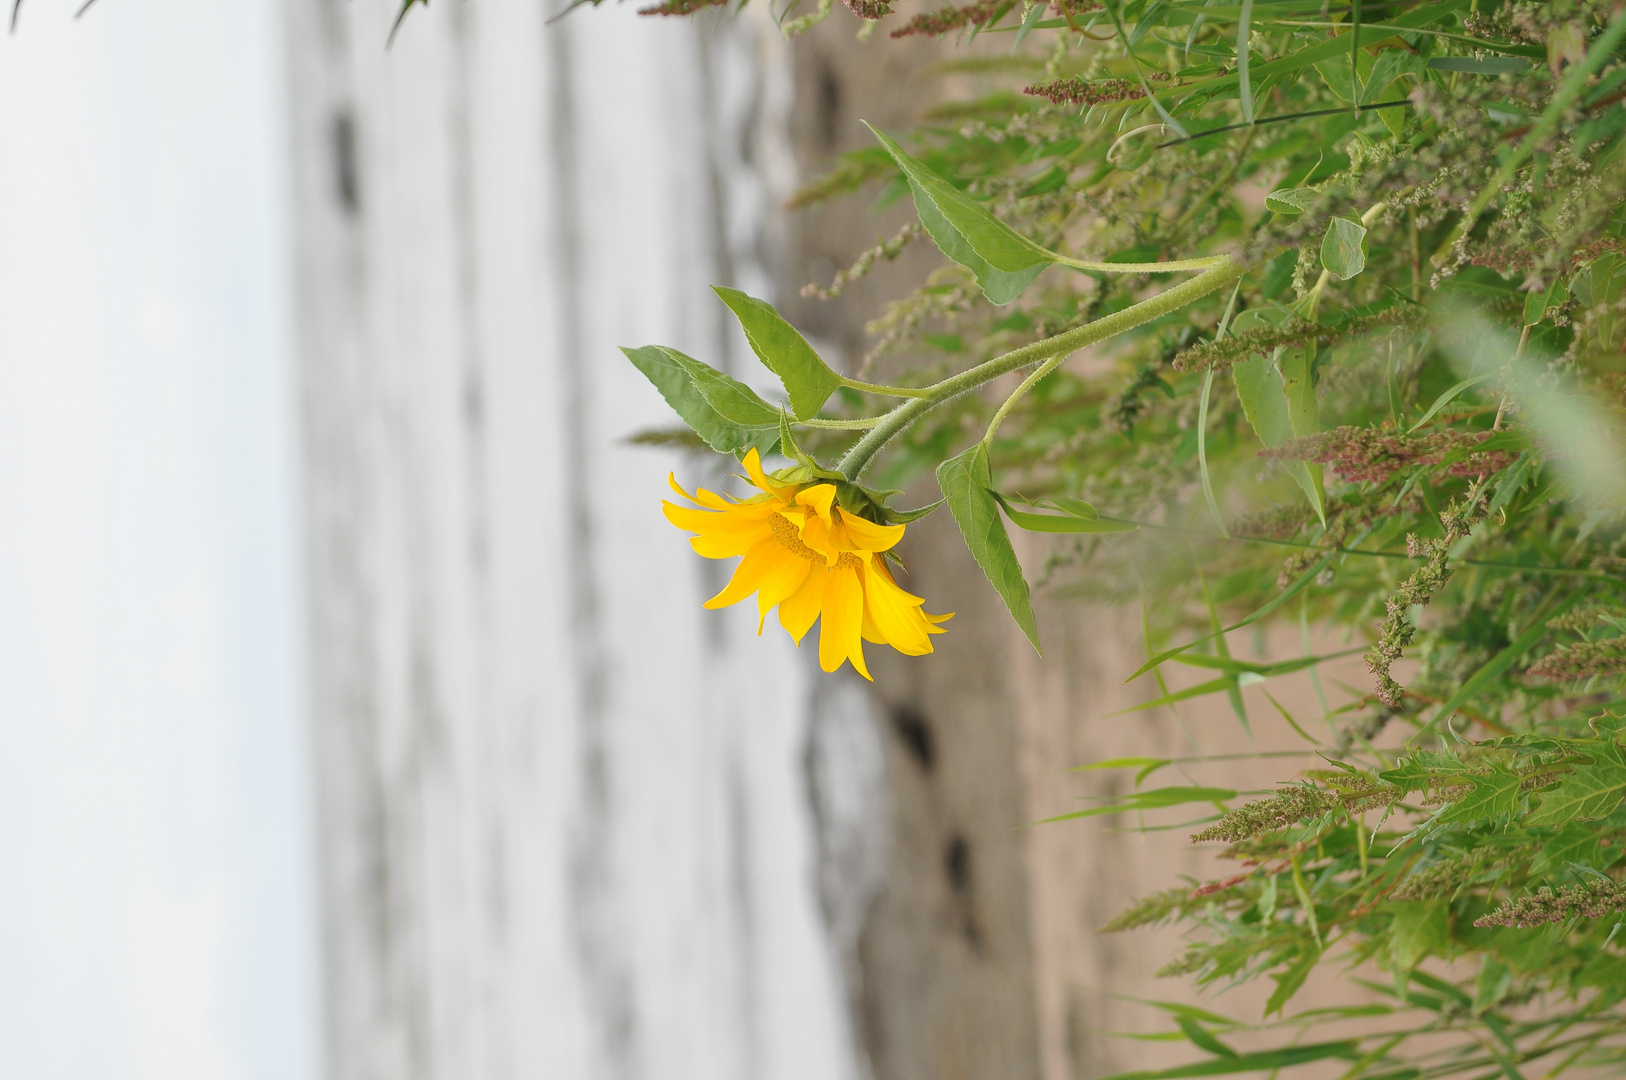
{"x":1291,"y":200}
{"x":964,"y":481}
{"x":1590,"y":792}
{"x":1262,"y":1061}
{"x":1065,"y":522}
{"x":733,"y":400}
{"x":808,"y":380}
{"x":671,"y":376}
{"x":1004,"y":261}
{"x":1504,"y":659}
{"x":1343,"y":248}
{"x":1264,"y":401}
{"x":1202,"y":1038}
{"x":1494,"y":797}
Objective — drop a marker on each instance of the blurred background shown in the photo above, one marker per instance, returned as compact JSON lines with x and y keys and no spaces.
{"x":358,"y":715}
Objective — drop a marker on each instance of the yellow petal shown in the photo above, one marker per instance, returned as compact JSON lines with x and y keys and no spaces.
{"x":725,"y":545}
{"x":895,"y":613}
{"x":760,"y":477}
{"x":862,"y":535}
{"x":800,"y":610}
{"x":871,"y":634}
{"x":842,"y":621}
{"x":711,"y":521}
{"x":780,"y":582}
{"x":757,"y":562}
{"x":818,"y":497}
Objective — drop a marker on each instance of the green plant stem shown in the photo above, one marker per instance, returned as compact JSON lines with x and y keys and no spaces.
{"x":1027,"y":384}
{"x":884,"y":390}
{"x":1141,"y":268}
{"x":1223,"y":271}
{"x":1314,"y":295}
{"x":1574,"y":82}
{"x":841,"y":425}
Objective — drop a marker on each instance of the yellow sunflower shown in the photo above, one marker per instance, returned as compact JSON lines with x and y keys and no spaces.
{"x":802,"y":553}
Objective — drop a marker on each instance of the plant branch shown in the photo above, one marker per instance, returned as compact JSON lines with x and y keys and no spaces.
{"x":1224,"y":270}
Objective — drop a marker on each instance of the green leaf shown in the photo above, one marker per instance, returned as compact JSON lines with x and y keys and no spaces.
{"x":1503,"y":660}
{"x":964,"y":480}
{"x":1494,"y":797}
{"x":1291,"y":200}
{"x":1446,"y":398}
{"x":1419,"y":927}
{"x":1289,"y":981}
{"x":808,"y":380}
{"x":1296,"y":364}
{"x":670,"y":371}
{"x":1083,"y":519}
{"x":1343,"y":248}
{"x":1004,"y":261}
{"x":1264,"y":402}
{"x":1155,"y":799}
{"x":1223,"y":684}
{"x":1202,"y":1038}
{"x":1574,"y":843}
{"x":1262,"y":1061}
{"x":733,"y":400}
{"x":1479,"y":65}
{"x":1590,"y":792}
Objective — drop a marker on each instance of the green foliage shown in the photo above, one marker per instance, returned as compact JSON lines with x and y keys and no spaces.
{"x":1391,"y":402}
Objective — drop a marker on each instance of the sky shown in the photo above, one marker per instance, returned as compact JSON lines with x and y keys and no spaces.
{"x":156,"y":907}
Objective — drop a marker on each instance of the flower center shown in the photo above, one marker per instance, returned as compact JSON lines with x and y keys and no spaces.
{"x":788,"y":534}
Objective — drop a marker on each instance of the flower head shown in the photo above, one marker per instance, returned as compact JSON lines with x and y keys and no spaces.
{"x":813,"y":560}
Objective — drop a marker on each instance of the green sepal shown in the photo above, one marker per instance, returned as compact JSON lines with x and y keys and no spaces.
{"x":904,"y":517}
{"x":673,"y":374}
{"x":1004,"y":261}
{"x":965,"y":482}
{"x":856,"y":499}
{"x":789,"y":448}
{"x":807,"y":379}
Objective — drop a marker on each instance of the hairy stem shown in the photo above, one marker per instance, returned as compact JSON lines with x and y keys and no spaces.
{"x":1223,"y":271}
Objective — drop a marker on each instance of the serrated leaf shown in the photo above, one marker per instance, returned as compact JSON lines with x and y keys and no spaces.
{"x":1574,"y":843}
{"x":807,"y":379}
{"x":964,"y":480}
{"x":671,"y":376}
{"x":1588,"y":793}
{"x":1004,"y":261}
{"x":1494,"y":797}
{"x":733,"y":400}
{"x":1291,"y":200}
{"x":1343,"y":248}
{"x":1423,"y":769}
